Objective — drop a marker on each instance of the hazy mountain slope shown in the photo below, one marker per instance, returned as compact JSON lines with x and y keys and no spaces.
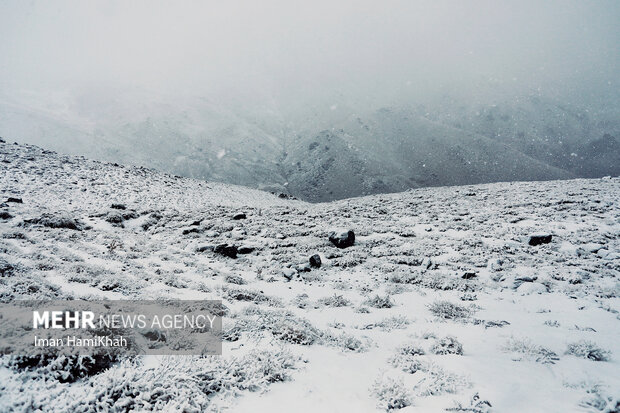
{"x":441,"y":298}
{"x":393,"y":150}
{"x":558,"y":133}
{"x":445,"y":142}
{"x":190,"y":137}
{"x":329,"y":166}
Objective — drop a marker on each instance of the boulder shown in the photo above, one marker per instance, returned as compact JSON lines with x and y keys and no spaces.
{"x":469,"y":275}
{"x":540,"y":239}
{"x":315,"y":261}
{"x":245,"y":249}
{"x":342,"y":238}
{"x":118,"y":206}
{"x":226,"y":250}
{"x":240,"y":215}
{"x":15,"y":200}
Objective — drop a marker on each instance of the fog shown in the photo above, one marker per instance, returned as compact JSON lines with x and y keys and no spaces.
{"x":299,"y":62}
{"x":320,"y":48}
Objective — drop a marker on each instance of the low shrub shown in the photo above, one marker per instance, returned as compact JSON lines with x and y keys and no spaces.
{"x":447,"y":345}
{"x":588,"y":350}
{"x":392,"y":394}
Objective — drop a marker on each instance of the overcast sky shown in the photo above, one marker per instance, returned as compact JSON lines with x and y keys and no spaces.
{"x":309,"y":49}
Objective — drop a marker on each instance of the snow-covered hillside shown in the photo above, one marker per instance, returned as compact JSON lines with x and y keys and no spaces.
{"x":441,"y":304}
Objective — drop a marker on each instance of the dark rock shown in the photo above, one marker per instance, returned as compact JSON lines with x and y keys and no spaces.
{"x":2,"y":140}
{"x":539,"y":239}
{"x":191,"y":231}
{"x":526,"y":279}
{"x":245,"y":249}
{"x":5,"y":215}
{"x":469,"y":275}
{"x":118,"y":206}
{"x":15,"y":200}
{"x":315,"y":261}
{"x":342,"y":239}
{"x":130,"y":215}
{"x":154,"y":335}
{"x":226,"y":250}
{"x":240,"y":215}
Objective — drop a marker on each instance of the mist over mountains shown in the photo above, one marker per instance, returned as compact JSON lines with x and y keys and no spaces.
{"x":343,"y":154}
{"x":323,"y":101}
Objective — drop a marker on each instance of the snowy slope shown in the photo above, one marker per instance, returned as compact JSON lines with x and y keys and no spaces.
{"x":440,"y":298}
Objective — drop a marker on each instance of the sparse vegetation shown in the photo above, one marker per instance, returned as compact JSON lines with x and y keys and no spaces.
{"x":379,"y":302}
{"x":392,"y":394}
{"x":531,"y":351}
{"x":588,"y":350}
{"x":447,"y":345}
{"x":446,"y":310}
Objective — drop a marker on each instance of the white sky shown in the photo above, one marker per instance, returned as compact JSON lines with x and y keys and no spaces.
{"x":293,"y":49}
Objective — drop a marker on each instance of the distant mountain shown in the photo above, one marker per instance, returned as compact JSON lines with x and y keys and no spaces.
{"x":326,"y":155}
{"x":394,"y":149}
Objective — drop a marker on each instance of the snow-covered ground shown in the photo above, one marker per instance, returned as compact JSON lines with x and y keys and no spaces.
{"x":441,"y":303}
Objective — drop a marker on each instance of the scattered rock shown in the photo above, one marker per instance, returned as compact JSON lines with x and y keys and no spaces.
{"x":188,"y":231}
{"x":240,"y":215}
{"x":246,"y":249}
{"x":226,"y":250}
{"x":15,"y":200}
{"x":315,"y":261}
{"x":342,"y":239}
{"x":540,"y":239}
{"x":5,"y":215}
